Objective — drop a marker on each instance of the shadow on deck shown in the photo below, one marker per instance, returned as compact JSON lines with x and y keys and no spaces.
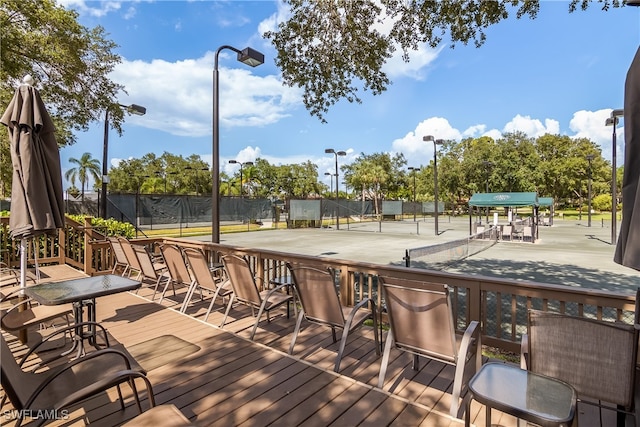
{"x":219,"y":377}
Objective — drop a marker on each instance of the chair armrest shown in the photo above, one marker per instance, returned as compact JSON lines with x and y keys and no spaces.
{"x":524,"y":351}
{"x":4,"y":313}
{"x":272,"y":290}
{"x":64,"y":368}
{"x":10,"y":295}
{"x":105,"y":384}
{"x":62,"y":331}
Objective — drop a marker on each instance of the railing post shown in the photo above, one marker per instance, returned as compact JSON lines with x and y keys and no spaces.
{"x":475,"y":302}
{"x":88,"y":247}
{"x":62,"y":244}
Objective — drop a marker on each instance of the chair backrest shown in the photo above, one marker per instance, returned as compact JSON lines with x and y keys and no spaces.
{"x":176,"y":264}
{"x":421,"y":317}
{"x":12,"y":377}
{"x":318,"y":296}
{"x":527,"y":232}
{"x":130,"y":253}
{"x":242,"y":280}
{"x":199,"y":268}
{"x":507,"y":230}
{"x":116,"y":248}
{"x":145,"y":261}
{"x":596,"y":357}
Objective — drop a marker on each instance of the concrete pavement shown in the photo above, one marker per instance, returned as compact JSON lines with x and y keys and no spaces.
{"x":567,"y":253}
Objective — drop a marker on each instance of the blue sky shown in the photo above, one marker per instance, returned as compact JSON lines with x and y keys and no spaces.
{"x":560,"y":73}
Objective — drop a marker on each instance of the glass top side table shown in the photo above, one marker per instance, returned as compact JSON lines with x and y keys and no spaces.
{"x":528,"y":396}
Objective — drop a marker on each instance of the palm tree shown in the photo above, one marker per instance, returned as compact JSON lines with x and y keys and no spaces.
{"x":87,"y":166}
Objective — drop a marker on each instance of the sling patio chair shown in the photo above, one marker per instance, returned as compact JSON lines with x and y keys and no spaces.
{"x":13,"y":319}
{"x":134,"y":271}
{"x":178,"y":272}
{"x":120,"y":261}
{"x":596,"y":357}
{"x":204,"y":277}
{"x":246,"y":291}
{"x":316,"y":292}
{"x":421,"y":323}
{"x":51,"y":391}
{"x":150,"y":270}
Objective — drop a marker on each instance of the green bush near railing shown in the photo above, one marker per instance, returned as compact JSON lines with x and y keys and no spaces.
{"x":108,"y":227}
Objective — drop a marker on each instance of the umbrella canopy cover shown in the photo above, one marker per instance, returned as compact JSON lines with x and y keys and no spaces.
{"x":36,"y":191}
{"x":628,"y":246}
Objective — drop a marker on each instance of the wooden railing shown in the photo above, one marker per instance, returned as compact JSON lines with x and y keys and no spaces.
{"x":500,"y":305}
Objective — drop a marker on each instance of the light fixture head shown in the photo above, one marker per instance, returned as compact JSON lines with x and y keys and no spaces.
{"x":233,"y":162}
{"x":251,"y":57}
{"x":610,"y":121}
{"x":327,"y":173}
{"x":138,"y":110}
{"x":248,"y":163}
{"x":329,"y":150}
{"x":428,"y":138}
{"x":439,"y":141}
{"x":618,"y":112}
{"x":589,"y":157}
{"x":341,"y":153}
{"x":632,"y":2}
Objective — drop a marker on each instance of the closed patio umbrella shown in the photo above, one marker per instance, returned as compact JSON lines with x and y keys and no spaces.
{"x":628,"y":246}
{"x":36,"y":191}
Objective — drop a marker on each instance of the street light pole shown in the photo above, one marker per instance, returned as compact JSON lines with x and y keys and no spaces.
{"x":589,"y":159}
{"x":487,"y":165}
{"x":241,"y":165}
{"x":336,"y":154}
{"x":132,"y":109}
{"x":414,"y":170}
{"x":436,"y":142}
{"x":249,"y":57}
{"x":613,"y":121}
{"x":330,"y":181}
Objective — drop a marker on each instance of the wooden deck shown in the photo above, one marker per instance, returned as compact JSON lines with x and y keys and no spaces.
{"x":219,"y":377}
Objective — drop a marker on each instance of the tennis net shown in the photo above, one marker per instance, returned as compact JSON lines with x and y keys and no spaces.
{"x":444,"y":254}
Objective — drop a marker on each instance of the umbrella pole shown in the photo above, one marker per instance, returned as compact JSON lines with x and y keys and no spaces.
{"x":23,"y":282}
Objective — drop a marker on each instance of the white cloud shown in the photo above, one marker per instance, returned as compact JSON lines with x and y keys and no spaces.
{"x":532,"y":127}
{"x":584,"y":124}
{"x":420,"y":59}
{"x":97,"y":9}
{"x":591,"y":125}
{"x":421,"y":152}
{"x":179,"y":95}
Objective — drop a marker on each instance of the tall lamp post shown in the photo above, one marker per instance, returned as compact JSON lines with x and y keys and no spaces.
{"x":235,"y":162}
{"x":488,"y":165}
{"x":436,"y":142}
{"x":249,"y":57}
{"x":589,"y":159}
{"x":414,"y":170}
{"x":336,"y":154}
{"x":330,"y":181}
{"x":613,"y":121}
{"x":131,"y":109}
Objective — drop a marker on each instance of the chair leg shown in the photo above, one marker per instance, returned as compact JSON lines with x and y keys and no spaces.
{"x":164,"y":290}
{"x":375,"y":327}
{"x":213,"y":300}
{"x":343,"y":344}
{"x":226,"y":313}
{"x":260,"y":311}
{"x":187,"y":298}
{"x":385,"y":359}
{"x":296,"y":331}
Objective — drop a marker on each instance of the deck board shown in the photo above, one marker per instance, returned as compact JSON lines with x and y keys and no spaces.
{"x":223,"y":378}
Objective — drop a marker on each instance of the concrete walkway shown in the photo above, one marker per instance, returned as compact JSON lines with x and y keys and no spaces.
{"x":567,"y":253}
